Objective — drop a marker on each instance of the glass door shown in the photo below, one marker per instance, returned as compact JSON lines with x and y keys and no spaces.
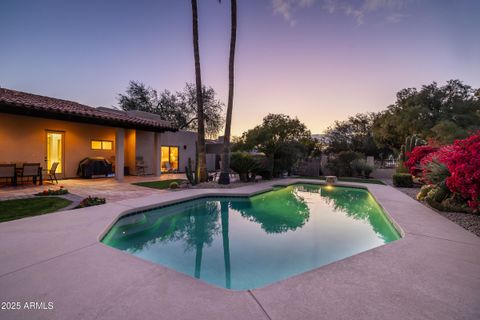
{"x":55,"y":149}
{"x":169,"y":159}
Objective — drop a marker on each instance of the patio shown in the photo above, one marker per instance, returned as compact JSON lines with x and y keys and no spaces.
{"x":109,"y":188}
{"x":428,"y":274}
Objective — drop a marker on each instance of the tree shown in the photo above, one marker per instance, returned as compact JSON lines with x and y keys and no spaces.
{"x":179,"y":108}
{"x":282,"y":139}
{"x":353,"y":134}
{"x":201,"y":163}
{"x":224,"y":175}
{"x":440,"y":113}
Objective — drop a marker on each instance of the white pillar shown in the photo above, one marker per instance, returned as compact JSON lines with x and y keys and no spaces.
{"x":157,"y":148}
{"x":119,"y":153}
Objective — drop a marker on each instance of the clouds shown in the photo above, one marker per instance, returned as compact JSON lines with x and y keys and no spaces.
{"x":388,"y":10}
{"x":286,"y":8}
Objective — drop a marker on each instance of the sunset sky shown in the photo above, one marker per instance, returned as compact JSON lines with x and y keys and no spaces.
{"x":319,"y":60}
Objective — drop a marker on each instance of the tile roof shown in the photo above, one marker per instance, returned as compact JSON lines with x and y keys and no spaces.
{"x":17,"y":102}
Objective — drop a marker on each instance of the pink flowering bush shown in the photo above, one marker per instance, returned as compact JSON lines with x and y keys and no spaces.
{"x":415,"y":157}
{"x":433,"y":165}
{"x":452,"y":172}
{"x":463,"y":163}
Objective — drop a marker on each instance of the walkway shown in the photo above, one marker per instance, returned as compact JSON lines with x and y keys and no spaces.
{"x":108,"y":188}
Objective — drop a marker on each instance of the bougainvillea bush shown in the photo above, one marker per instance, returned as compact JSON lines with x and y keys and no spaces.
{"x":453,"y":168}
{"x":433,"y":165}
{"x":463,"y":162}
{"x":416,"y":156}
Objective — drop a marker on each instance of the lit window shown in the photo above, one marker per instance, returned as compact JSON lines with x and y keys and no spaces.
{"x":101,"y":145}
{"x":107,"y":145}
{"x":96,"y":145}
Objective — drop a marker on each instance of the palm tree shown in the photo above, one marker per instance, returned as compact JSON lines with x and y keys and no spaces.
{"x":201,"y":163}
{"x":226,"y":243}
{"x":224,"y":175}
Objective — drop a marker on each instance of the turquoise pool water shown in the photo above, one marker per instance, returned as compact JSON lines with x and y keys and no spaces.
{"x":247,"y":243}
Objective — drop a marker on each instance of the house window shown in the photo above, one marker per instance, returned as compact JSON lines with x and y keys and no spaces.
{"x":102,"y":145}
{"x":169,"y":159}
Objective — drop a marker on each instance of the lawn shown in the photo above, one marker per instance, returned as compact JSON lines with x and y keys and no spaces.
{"x":21,"y":208}
{"x":164,"y":184}
{"x":350,"y":179}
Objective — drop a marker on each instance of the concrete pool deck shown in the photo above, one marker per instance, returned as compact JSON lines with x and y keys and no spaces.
{"x":433,"y":272}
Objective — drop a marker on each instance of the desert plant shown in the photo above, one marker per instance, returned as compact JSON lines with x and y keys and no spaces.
{"x":367,"y":170}
{"x":434,"y":171}
{"x":264,"y":167}
{"x":174,"y":185}
{"x":243,"y":164}
{"x":404,"y":180}
{"x":340,"y":166}
{"x":437,"y":193}
{"x":400,"y":168}
{"x":191,"y":175}
{"x":358,"y":166}
{"x":410,"y":143}
{"x":424,"y":190}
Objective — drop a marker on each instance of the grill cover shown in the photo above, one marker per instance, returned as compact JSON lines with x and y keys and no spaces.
{"x":94,"y":166}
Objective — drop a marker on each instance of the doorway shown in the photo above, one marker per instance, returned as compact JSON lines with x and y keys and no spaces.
{"x":55,"y":149}
{"x":169,"y":159}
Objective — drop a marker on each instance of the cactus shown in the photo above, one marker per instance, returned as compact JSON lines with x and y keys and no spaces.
{"x":410,"y":143}
{"x":191,"y":176}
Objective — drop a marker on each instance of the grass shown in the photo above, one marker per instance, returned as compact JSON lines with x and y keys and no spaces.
{"x":21,"y":208}
{"x":350,"y":179}
{"x":163,"y":184}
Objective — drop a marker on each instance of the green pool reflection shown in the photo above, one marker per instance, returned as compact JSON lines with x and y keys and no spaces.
{"x":246,"y":243}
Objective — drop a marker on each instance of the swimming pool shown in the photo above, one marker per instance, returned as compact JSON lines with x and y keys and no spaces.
{"x":244,"y":243}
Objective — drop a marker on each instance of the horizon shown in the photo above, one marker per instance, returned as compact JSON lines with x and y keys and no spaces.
{"x":332,"y":59}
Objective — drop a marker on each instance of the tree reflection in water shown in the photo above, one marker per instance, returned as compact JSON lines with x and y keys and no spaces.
{"x":276,"y":212}
{"x":359,"y":205}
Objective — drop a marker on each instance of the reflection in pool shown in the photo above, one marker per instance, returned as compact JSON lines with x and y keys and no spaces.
{"x":246,"y":243}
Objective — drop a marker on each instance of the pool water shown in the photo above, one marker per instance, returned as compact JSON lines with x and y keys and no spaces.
{"x":246,"y":243}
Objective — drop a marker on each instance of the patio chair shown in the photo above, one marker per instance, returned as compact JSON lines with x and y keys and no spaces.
{"x":169,"y":168}
{"x":31,"y":170}
{"x":8,"y":171}
{"x":140,"y":166}
{"x":52,"y":172}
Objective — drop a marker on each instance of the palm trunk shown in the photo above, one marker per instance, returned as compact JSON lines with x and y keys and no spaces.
{"x":201,"y":165}
{"x":224,"y":175}
{"x":226,"y":244}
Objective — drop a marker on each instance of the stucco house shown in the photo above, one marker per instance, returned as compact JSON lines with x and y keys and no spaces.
{"x":39,"y":129}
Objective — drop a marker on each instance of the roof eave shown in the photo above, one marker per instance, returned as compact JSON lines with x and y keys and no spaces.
{"x":18,"y":109}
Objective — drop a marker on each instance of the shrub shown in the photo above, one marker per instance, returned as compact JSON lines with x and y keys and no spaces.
{"x":401,"y":168}
{"x":91,"y":201}
{"x":174,"y":185}
{"x":416,"y":156}
{"x":404,"y":180}
{"x":340,"y":166}
{"x":358,"y":165}
{"x":424,"y":191}
{"x":437,"y":193}
{"x":367,"y":170}
{"x":244,"y":164}
{"x":53,"y":192}
{"x":463,"y":162}
{"x":434,"y":169}
{"x":264,"y":167}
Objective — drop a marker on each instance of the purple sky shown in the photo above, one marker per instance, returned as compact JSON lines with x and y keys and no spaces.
{"x":319,"y":60}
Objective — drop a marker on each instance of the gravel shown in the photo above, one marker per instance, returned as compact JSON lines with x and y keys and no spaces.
{"x":471,"y":222}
